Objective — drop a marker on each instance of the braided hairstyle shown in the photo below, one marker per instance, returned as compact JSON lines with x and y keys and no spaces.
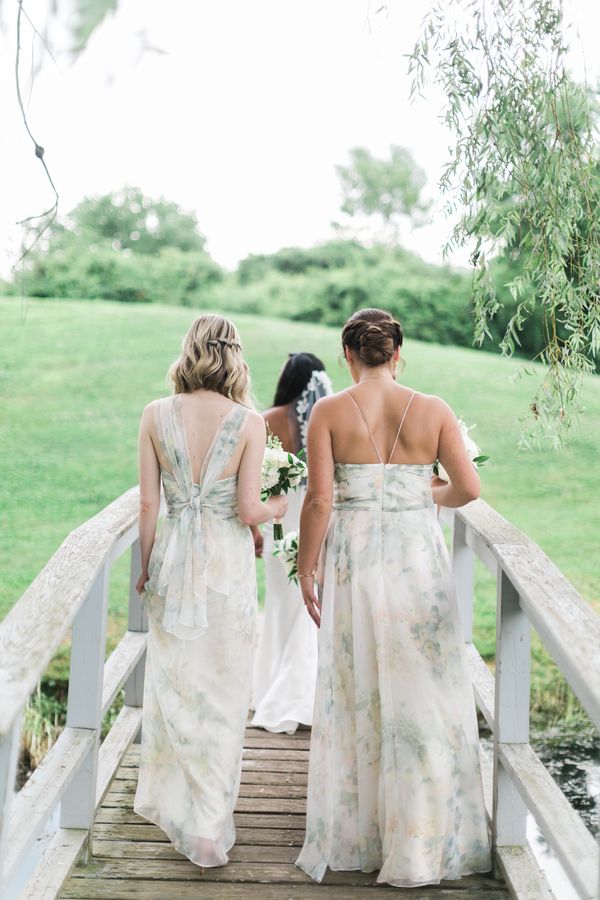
{"x":373,"y":335}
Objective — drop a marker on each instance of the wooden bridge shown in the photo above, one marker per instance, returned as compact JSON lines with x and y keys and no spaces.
{"x":102,"y":849}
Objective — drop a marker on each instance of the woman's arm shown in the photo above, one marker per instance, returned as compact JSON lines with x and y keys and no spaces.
{"x":251,"y":509}
{"x":464,"y":483}
{"x":316,"y":508}
{"x":149,"y":477}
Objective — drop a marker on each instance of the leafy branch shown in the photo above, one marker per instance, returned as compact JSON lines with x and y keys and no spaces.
{"x":524,"y":177}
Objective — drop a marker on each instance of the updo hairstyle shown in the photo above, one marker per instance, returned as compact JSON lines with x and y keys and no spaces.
{"x":211,"y":358}
{"x":373,"y":335}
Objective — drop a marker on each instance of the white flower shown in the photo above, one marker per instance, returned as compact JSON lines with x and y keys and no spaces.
{"x":471,"y":448}
{"x":287,"y":550}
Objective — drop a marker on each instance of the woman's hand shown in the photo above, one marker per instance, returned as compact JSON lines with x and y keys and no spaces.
{"x":278,"y":506}
{"x":141,"y":582}
{"x":311,"y":601}
{"x":258,"y":539}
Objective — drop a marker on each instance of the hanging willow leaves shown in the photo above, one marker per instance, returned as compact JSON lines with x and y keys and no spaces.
{"x":524,"y":179}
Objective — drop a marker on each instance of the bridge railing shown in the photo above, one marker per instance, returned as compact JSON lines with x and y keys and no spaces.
{"x":530,"y":592}
{"x":71,"y":592}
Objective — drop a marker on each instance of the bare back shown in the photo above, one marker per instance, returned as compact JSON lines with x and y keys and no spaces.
{"x":379,"y":421}
{"x":203,"y":413}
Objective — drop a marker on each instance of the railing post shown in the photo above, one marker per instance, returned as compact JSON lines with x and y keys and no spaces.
{"x":84,"y":709}
{"x":511,"y":712}
{"x":463,"y":569}
{"x":137,"y":621}
{"x":9,"y":754}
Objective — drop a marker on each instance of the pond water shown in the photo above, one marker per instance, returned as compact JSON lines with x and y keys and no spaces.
{"x":574,"y":763}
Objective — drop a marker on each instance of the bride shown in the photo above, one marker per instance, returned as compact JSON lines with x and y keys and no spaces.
{"x":394,"y":778}
{"x":205,"y":445}
{"x":286,"y":662}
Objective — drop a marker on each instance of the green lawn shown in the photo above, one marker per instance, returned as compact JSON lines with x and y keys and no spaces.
{"x":75,"y":376}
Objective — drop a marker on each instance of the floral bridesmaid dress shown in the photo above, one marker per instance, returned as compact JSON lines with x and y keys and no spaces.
{"x":201,"y":604}
{"x":394,"y":775}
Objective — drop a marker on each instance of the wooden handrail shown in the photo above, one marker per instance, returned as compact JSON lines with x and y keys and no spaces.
{"x":34,"y":628}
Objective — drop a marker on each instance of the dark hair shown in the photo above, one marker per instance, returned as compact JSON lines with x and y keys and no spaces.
{"x":373,"y":335}
{"x":295,"y":376}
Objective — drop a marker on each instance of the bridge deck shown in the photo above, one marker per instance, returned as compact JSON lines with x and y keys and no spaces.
{"x":132,"y":858}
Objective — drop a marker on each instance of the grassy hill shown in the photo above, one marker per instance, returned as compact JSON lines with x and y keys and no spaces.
{"x":74,"y":377}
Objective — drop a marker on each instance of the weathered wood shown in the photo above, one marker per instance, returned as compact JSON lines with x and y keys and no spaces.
{"x":84,"y":707}
{"x":568,"y":627}
{"x":184,"y":870}
{"x":252,"y":753}
{"x":462,"y":570}
{"x":151,"y":850}
{"x":561,"y":825}
{"x":9,"y":751}
{"x":511,"y":712}
{"x":483,"y":684}
{"x":522,"y":875}
{"x":288,"y":837}
{"x":110,"y":815}
{"x":40,"y":794}
{"x":56,"y":864}
{"x":34,"y":628}
{"x":137,"y":621}
{"x":126,"y":778}
{"x":123,"y":889}
{"x":119,"y":665}
{"x":114,"y":747}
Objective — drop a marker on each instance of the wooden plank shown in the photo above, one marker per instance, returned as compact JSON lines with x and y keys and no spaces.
{"x":282,"y":804}
{"x":141,"y":889}
{"x":483,"y":684}
{"x":127,"y":778}
{"x":115,"y":745}
{"x":184,"y":870}
{"x":56,"y":864}
{"x":524,"y":878}
{"x":151,"y":850}
{"x":84,"y":707}
{"x":43,"y":790}
{"x":275,"y":742}
{"x":273,"y":766}
{"x":561,"y":825}
{"x":511,"y":710}
{"x":123,"y":791}
{"x":288,"y":837}
{"x":117,"y":815}
{"x":568,"y":626}
{"x":120,"y":664}
{"x":252,"y":753}
{"x":33,"y":630}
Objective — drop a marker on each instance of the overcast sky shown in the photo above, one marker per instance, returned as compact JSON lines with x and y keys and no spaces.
{"x":241,"y":117}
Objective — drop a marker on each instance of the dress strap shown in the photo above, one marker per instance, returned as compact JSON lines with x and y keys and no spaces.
{"x":410,"y":399}
{"x":362,"y":415}
{"x":348,"y":394}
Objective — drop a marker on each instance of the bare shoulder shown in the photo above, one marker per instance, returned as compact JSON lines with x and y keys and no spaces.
{"x":327,"y":406}
{"x":435,"y":406}
{"x":147,"y":417}
{"x":255,"y":420}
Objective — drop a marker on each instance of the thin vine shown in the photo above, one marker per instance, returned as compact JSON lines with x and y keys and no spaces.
{"x":524,"y":178}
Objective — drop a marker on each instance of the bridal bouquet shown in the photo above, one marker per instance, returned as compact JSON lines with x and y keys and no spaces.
{"x":287,"y":550}
{"x":473,"y":451}
{"x":281,"y":471}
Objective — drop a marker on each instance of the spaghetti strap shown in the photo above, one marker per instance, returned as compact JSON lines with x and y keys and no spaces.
{"x":410,"y":399}
{"x":348,"y":394}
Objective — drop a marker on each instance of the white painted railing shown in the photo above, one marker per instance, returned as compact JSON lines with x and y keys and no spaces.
{"x":72,"y":591}
{"x":530,"y":592}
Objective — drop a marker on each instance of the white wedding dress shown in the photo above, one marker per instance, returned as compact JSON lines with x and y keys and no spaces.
{"x":201,"y":623}
{"x":285,"y":669}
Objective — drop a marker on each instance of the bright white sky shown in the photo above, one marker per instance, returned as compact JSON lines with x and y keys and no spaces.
{"x":242,"y":119}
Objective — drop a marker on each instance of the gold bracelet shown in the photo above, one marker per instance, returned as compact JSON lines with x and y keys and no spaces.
{"x":309,"y":575}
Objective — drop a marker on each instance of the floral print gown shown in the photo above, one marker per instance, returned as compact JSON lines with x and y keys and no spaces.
{"x":201,"y":604}
{"x":394,"y":776}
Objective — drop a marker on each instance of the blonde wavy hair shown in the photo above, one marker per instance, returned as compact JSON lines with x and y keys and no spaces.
{"x":211,"y":358}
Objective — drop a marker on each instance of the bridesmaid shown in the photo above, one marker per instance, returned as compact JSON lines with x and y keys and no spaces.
{"x":205,"y":445}
{"x":394,"y":777}
{"x":285,"y":670}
